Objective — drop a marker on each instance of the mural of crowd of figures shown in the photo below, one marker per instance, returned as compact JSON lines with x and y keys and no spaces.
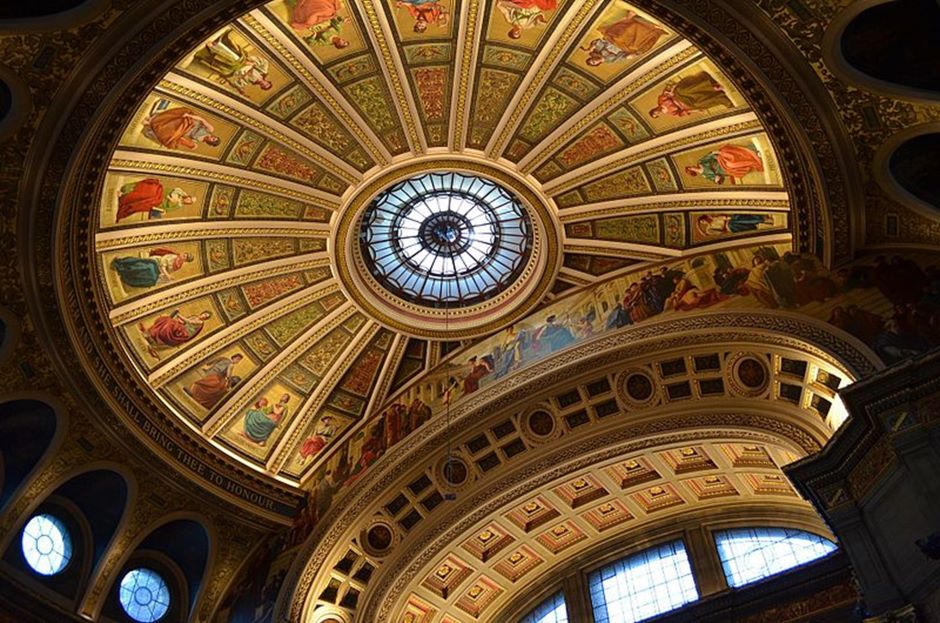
{"x":890,"y":303}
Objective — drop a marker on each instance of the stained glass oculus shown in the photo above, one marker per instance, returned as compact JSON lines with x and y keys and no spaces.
{"x":446,"y":239}
{"x":47,"y":546}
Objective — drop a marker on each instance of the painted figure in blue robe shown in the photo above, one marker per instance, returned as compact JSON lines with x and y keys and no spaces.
{"x":554,"y":336}
{"x":146,"y":272}
{"x":717,"y":225}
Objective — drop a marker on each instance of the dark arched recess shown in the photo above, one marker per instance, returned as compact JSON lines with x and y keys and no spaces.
{"x":27,"y":428}
{"x":42,"y":8}
{"x":91,"y":506}
{"x":896,"y":42}
{"x":915,"y":164}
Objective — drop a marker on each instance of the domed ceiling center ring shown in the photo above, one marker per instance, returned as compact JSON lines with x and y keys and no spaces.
{"x":445,"y":224}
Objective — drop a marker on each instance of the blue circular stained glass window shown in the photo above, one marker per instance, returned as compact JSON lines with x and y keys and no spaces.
{"x":446,"y":239}
{"x":47,"y":546}
{"x":144,"y":595}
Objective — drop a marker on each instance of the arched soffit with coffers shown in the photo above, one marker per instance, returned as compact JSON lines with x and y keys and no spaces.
{"x":404,"y":487}
{"x":886,"y":46}
{"x":903,"y":168}
{"x":297,"y":237}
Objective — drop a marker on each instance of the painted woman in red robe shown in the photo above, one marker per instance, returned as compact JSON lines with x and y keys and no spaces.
{"x":172,"y":330}
{"x":180,"y":127}
{"x":730,"y":162}
{"x":425,"y":12}
{"x":322,"y":19}
{"x":316,"y":442}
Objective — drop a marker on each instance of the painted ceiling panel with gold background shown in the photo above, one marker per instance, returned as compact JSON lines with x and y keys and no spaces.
{"x":217,"y":230}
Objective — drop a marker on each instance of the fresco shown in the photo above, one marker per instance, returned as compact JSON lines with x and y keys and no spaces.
{"x":735,"y":162}
{"x":514,"y":30}
{"x":231,"y":59}
{"x":694,"y":93}
{"x":212,"y":258}
{"x":206,"y":386}
{"x":326,"y":27}
{"x":170,"y":125}
{"x":892,"y":305}
{"x":133,"y":199}
{"x":524,"y":22}
{"x":711,"y":226}
{"x":416,"y":18}
{"x":620,"y":37}
{"x":136,"y":271}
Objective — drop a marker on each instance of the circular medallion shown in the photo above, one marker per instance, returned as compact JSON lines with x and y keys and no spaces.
{"x":455,"y":472}
{"x":636,"y":388}
{"x":749,"y":374}
{"x":639,"y":387}
{"x":379,"y":538}
{"x":540,"y":423}
{"x":752,"y":374}
{"x":446,"y":248}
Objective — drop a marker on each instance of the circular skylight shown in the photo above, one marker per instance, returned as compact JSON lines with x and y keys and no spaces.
{"x":47,"y":546}
{"x":144,"y":595}
{"x":443,"y":239}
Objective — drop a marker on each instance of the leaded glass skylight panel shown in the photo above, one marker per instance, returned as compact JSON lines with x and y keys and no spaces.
{"x":552,"y":610}
{"x":144,"y":595}
{"x":47,"y":546}
{"x":751,"y":554}
{"x":446,"y":239}
{"x":643,"y":585}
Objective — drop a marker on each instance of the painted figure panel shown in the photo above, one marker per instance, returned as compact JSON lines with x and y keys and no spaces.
{"x":231,"y":60}
{"x":617,"y":40}
{"x":736,"y":162}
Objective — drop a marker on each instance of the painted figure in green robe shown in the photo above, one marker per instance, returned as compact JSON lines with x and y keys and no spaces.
{"x":262,"y":418}
{"x":694,"y":93}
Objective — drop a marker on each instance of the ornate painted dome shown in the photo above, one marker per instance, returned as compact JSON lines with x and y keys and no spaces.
{"x":322,"y":199}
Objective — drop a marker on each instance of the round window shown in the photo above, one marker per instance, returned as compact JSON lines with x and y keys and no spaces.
{"x":144,"y":595}
{"x":47,"y":546}
{"x":445,"y":239}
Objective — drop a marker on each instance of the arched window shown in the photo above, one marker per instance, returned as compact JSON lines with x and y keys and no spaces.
{"x":176,"y":553}
{"x":552,"y":610}
{"x":643,"y":585}
{"x":47,"y":544}
{"x":144,"y":595}
{"x":751,"y":554}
